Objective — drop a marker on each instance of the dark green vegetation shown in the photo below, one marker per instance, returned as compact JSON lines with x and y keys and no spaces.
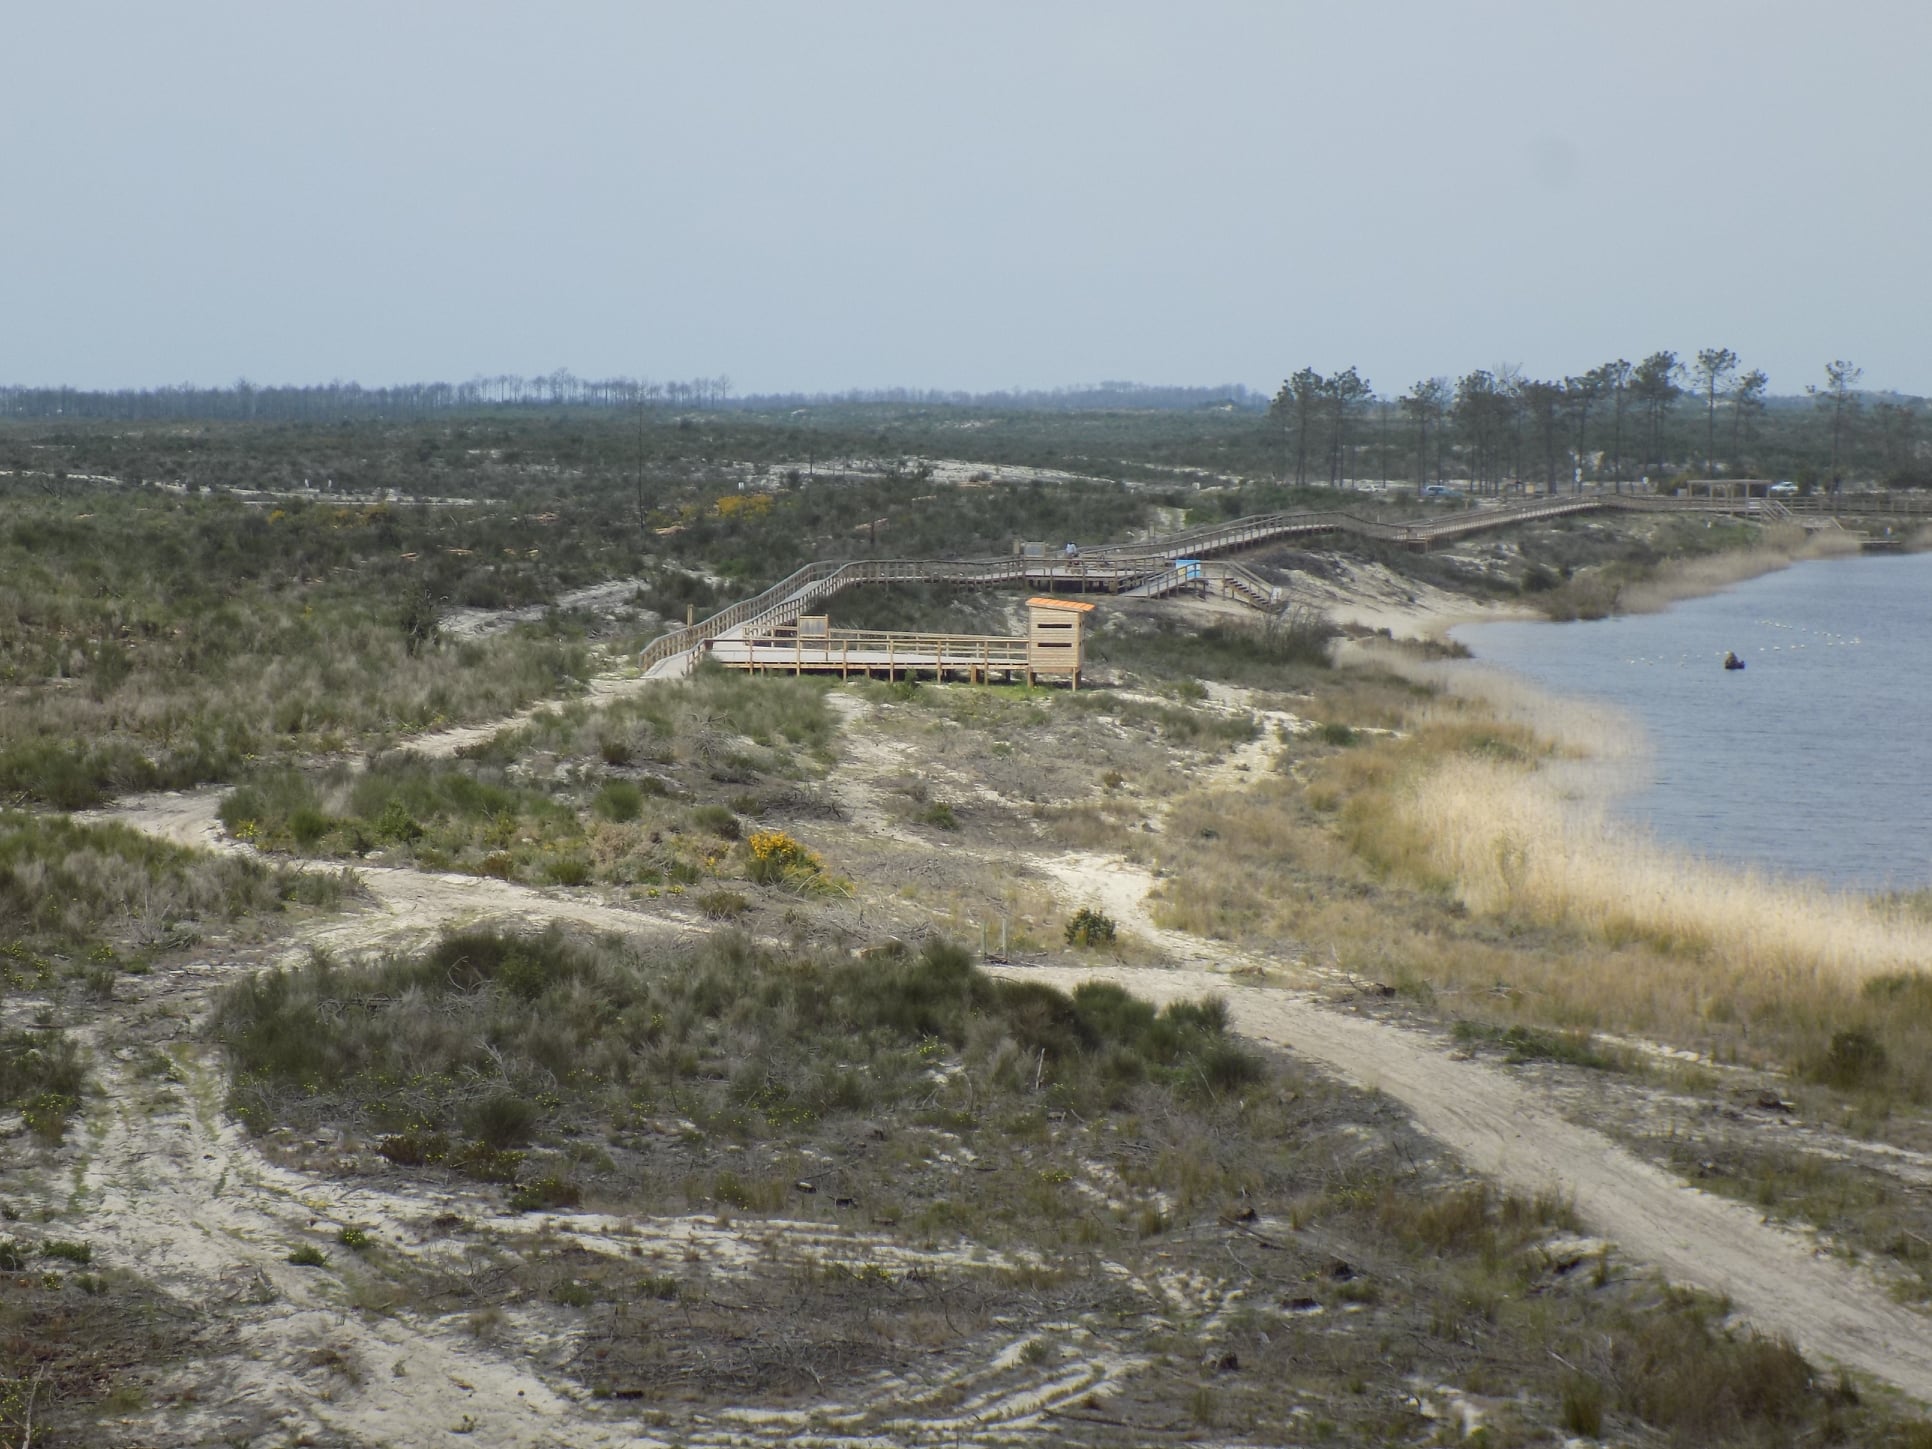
{"x":151,"y":641}
{"x":627,"y":793}
{"x":489,"y":1043}
{"x":1660,"y":418}
{"x":1284,"y":653}
{"x":1621,"y":420}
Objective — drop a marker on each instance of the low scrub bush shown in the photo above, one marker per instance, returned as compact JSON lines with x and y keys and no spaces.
{"x":461,"y":1055}
{"x":69,"y":884}
{"x":722,"y":905}
{"x":619,"y":801}
{"x":544,"y":1193}
{"x":1290,"y":649}
{"x":1854,"y":1058}
{"x":1087,"y":927}
{"x":1687,"y":1373}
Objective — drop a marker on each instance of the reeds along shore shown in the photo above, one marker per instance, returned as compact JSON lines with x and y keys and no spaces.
{"x":1478,"y":799}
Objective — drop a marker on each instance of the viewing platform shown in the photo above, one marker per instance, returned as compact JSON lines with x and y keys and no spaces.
{"x":1052,"y":649}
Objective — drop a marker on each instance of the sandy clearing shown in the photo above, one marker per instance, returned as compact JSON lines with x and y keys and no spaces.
{"x":176,"y":1191}
{"x":467,"y":623}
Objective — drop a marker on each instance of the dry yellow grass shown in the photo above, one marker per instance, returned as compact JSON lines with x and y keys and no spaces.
{"x":1513,"y":845}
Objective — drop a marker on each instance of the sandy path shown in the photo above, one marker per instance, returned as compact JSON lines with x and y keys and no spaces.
{"x":405,"y":906}
{"x":1508,"y":1132}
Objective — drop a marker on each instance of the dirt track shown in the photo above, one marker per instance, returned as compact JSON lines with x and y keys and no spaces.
{"x":1502,"y":1130}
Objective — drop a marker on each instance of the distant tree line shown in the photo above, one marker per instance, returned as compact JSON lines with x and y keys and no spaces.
{"x":1493,"y":428}
{"x":246,"y":401}
{"x":1613,"y":424}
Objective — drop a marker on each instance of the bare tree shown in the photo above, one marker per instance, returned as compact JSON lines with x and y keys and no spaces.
{"x":1747,"y":408}
{"x":1543,"y":401}
{"x":1295,"y":405}
{"x":1839,"y":396}
{"x":1712,"y":369}
{"x":1345,"y":392}
{"x":1617,"y":381}
{"x":1581,"y":394}
{"x":1653,"y":382}
{"x":1425,"y":403}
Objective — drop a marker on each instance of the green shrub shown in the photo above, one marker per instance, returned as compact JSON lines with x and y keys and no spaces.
{"x":484,"y":1163}
{"x":1582,"y":1406}
{"x":309,"y":1256}
{"x":307,"y":825}
{"x":37,"y":1063}
{"x":723,"y":905}
{"x":1226,"y":1065}
{"x":559,"y":1029}
{"x":397,"y":824}
{"x":1689,"y":1376}
{"x":717,"y":820}
{"x":502,"y":1119}
{"x":619,"y":801}
{"x":544,"y":1193}
{"x":81,"y":1253}
{"x":68,"y":883}
{"x":356,"y":1238}
{"x":46,"y":1114}
{"x":415,"y":1149}
{"x":1855,"y":1058}
{"x":568,"y":870}
{"x":1088,"y":928}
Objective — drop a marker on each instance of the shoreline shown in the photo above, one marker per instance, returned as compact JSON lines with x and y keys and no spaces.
{"x":1607,"y":757}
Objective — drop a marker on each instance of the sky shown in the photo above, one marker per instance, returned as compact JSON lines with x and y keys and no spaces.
{"x":1002,"y":193}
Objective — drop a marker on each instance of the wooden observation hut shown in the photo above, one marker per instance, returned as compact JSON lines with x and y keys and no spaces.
{"x":1054,"y":647}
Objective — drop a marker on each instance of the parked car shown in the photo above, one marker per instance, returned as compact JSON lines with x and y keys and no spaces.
{"x":1783,"y":490}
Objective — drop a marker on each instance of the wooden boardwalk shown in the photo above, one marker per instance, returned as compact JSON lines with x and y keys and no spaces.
{"x":1152,"y":567}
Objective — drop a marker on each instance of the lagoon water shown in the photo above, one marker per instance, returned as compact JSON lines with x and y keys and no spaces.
{"x":1815,"y":760}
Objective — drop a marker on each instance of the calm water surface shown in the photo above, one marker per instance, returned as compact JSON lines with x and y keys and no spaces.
{"x":1815,"y":760}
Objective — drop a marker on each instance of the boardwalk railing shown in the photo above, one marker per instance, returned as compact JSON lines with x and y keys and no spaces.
{"x":864,"y":650}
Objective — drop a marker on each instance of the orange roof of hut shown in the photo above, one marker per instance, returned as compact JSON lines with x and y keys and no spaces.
{"x":1074,"y":605}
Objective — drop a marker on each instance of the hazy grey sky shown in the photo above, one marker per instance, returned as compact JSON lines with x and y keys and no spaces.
{"x":973,"y":195}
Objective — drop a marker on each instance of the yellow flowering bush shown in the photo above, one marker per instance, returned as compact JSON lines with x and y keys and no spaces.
{"x":776,"y":856}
